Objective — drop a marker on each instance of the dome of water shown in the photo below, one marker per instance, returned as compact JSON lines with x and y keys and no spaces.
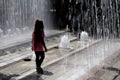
{"x":64,"y":42}
{"x":84,"y":35}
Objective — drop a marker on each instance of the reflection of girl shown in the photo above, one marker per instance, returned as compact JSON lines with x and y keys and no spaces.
{"x":38,"y":44}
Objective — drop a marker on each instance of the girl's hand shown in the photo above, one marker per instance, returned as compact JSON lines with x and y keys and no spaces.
{"x":31,"y":48}
{"x":46,"y":50}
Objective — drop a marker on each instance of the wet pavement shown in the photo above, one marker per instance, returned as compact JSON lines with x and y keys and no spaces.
{"x":27,"y":52}
{"x":22,"y":68}
{"x":12,"y":43}
{"x":109,"y":71}
{"x":19,"y":67}
{"x":83,"y":61}
{"x":77,"y":65}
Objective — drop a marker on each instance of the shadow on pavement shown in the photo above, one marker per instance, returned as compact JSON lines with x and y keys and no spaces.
{"x":48,"y":73}
{"x":109,"y":69}
{"x":113,"y":69}
{"x":35,"y":76}
{"x":6,"y":77}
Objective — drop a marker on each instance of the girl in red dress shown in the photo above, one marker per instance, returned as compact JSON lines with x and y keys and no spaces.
{"x":38,"y":44}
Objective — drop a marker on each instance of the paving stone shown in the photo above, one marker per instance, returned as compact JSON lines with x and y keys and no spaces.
{"x":112,"y":65}
{"x":18,"y":68}
{"x":60,"y":69}
{"x":76,"y":60}
{"x":110,"y":61}
{"x":117,"y":65}
{"x":94,"y":78}
{"x":22,"y":67}
{"x":118,"y":78}
{"x":99,"y":73}
{"x":108,"y":75}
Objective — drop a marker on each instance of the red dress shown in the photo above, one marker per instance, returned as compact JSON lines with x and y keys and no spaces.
{"x":37,"y":46}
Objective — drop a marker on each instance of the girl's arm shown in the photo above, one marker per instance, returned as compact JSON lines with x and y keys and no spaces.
{"x":43,"y":42}
{"x":32,"y":42}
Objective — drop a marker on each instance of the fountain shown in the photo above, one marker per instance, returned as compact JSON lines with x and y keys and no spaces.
{"x":64,"y":42}
{"x":84,"y":36}
{"x":18,"y":16}
{"x":100,"y":18}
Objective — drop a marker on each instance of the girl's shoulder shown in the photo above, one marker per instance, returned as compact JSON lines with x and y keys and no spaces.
{"x":33,"y":33}
{"x":43,"y":34}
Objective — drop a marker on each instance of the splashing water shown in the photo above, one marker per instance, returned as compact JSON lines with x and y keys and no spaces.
{"x":65,"y":42}
{"x":84,"y":36}
{"x":18,"y":16}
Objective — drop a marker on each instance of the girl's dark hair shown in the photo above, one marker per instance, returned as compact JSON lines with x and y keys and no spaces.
{"x":38,"y":29}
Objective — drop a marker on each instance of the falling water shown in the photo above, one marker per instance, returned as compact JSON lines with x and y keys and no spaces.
{"x":98,"y":17}
{"x":18,"y":16}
